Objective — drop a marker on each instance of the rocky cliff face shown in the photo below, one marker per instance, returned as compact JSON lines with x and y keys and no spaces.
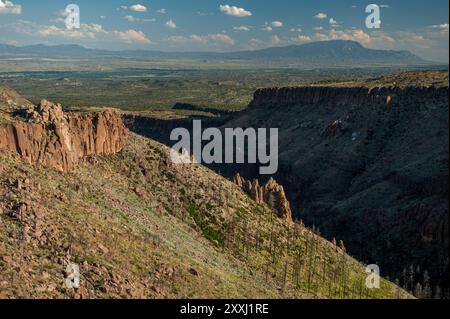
{"x":271,"y":194}
{"x":52,"y":138}
{"x":345,"y":96}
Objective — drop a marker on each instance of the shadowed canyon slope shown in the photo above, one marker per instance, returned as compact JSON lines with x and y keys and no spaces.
{"x":369,"y":165}
{"x":366,"y":162}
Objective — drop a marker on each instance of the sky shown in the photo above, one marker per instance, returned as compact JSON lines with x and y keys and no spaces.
{"x":420,"y":26}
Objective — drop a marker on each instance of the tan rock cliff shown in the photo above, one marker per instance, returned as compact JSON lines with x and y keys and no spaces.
{"x":57,"y":140}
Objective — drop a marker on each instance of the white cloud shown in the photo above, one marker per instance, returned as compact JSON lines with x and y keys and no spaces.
{"x":7,"y":7}
{"x":88,"y":32}
{"x":205,"y":14}
{"x":295,"y":30}
{"x":170,"y":24}
{"x":234,"y":11}
{"x":438,"y":30}
{"x":377,"y":40}
{"x":130,"y":18}
{"x":443,"y":26}
{"x":414,"y":40}
{"x":61,"y":16}
{"x":204,"y":39}
{"x":162,"y":11}
{"x":420,"y":41}
{"x":255,"y":44}
{"x":321,"y":37}
{"x":276,"y":24}
{"x":53,"y":30}
{"x":268,"y":28}
{"x":242,"y":28}
{"x":318,"y":28}
{"x":332,"y":21}
{"x":321,"y":15}
{"x":301,"y":39}
{"x":138,"y":8}
{"x":132,"y":36}
{"x":62,"y":13}
{"x":178,"y":39}
{"x":214,"y":37}
{"x":275,"y":40}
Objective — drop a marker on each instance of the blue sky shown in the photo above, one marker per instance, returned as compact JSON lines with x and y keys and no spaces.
{"x":198,"y":25}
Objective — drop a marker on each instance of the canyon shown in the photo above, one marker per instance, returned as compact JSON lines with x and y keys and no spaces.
{"x":138,"y":226}
{"x":368,"y":165}
{"x":271,"y":194}
{"x":365,"y":163}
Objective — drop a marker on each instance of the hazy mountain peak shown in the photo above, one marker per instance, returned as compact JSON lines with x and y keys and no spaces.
{"x":323,"y":53}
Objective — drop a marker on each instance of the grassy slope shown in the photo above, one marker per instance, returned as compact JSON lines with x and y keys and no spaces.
{"x":140,"y":227}
{"x":9,"y":99}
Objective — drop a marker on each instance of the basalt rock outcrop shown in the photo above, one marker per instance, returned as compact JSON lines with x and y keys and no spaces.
{"x":47,"y":136}
{"x":345,"y":96}
{"x":270,"y":193}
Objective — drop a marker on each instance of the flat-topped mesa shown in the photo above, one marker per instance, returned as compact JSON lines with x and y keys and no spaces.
{"x":271,"y":194}
{"x":52,"y":138}
{"x":345,"y":96}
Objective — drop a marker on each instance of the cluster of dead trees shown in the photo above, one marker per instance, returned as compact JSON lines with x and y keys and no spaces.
{"x":295,"y":256}
{"x":418,"y":282}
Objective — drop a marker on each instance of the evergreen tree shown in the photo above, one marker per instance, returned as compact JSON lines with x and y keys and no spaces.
{"x":426,"y":286}
{"x":411,"y":278}
{"x":418,"y":293}
{"x":438,"y":293}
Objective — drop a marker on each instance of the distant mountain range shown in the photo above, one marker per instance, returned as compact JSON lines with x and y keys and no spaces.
{"x":331,"y":53}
